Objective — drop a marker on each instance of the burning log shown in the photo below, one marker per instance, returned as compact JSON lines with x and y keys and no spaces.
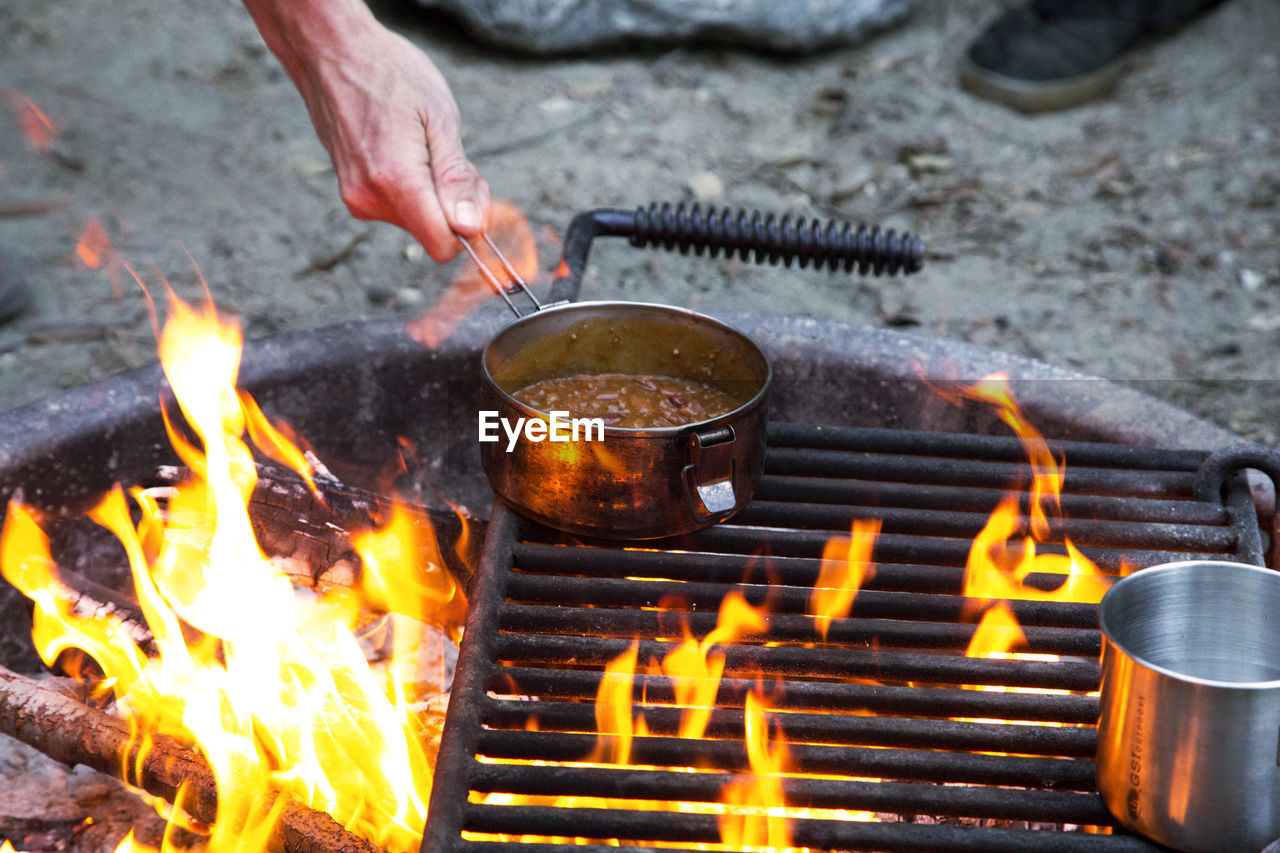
{"x":310,"y":533}
{"x":71,"y":732}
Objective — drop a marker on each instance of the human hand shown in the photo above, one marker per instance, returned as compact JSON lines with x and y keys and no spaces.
{"x":386,"y":116}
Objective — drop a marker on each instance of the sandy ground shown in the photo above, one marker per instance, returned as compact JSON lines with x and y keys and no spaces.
{"x":1136,"y":238}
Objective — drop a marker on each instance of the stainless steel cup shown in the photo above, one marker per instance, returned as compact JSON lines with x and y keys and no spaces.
{"x":1189,"y":735}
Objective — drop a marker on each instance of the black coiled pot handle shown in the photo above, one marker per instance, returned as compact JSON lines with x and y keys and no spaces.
{"x":751,"y":236}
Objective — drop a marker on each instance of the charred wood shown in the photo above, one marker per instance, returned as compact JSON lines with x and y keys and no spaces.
{"x":68,"y":731}
{"x":312,"y":534}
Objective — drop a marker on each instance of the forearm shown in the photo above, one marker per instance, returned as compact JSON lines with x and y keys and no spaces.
{"x":302,"y":33}
{"x":384,"y":113}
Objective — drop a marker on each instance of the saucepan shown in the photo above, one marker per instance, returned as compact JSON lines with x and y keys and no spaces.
{"x":1189,"y":732}
{"x":647,"y":481}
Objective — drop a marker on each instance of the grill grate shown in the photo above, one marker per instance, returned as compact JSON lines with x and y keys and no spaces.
{"x":876,"y":716}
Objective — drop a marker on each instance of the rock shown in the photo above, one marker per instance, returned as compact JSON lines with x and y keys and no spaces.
{"x":379,"y":294}
{"x":414,"y":252}
{"x":308,"y":167}
{"x":91,"y":792}
{"x":408,"y":297}
{"x":559,"y":26}
{"x":1264,"y":322}
{"x":705,"y":186}
{"x":929,"y":163}
{"x":1252,"y":280}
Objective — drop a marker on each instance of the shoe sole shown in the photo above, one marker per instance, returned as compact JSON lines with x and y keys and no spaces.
{"x":1038,"y":96}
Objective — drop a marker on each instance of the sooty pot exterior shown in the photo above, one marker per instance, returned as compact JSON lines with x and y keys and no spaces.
{"x":626,"y":483}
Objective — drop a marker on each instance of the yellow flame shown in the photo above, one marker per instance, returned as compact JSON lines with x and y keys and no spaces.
{"x":997,"y":632}
{"x":695,"y":669}
{"x":129,"y":844}
{"x":758,"y":815}
{"x":277,"y":442}
{"x":404,"y":573}
{"x":846,"y":566}
{"x":271,"y":683}
{"x":614,"y":724}
{"x":1000,"y":559}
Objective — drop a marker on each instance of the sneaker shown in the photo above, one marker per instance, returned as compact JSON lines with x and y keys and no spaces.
{"x":14,"y":292}
{"x":1054,"y":54}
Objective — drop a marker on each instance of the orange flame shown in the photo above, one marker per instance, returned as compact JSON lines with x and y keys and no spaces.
{"x":695,"y":670}
{"x":37,"y":128}
{"x":509,"y":229}
{"x":93,"y":245}
{"x":271,"y":683}
{"x":757,"y":817}
{"x":615,"y":727}
{"x":129,"y":844}
{"x":404,"y":573}
{"x":94,"y":250}
{"x":1046,"y":472}
{"x":1000,"y":560}
{"x":997,"y":633}
{"x":846,"y":566}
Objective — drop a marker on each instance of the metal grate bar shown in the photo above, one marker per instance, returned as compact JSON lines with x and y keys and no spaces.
{"x":662,"y":786}
{"x":600,"y":562}
{"x":816,"y":696}
{"x":822,"y":834}
{"x":901,"y":838}
{"x":1150,"y":536}
{"x":870,"y":604}
{"x":799,"y":662}
{"x":970,"y":472}
{"x":993,"y":447}
{"x":1075,"y":774}
{"x":1069,"y":741}
{"x":787,"y":627}
{"x":971,"y":499}
{"x":743,"y":539}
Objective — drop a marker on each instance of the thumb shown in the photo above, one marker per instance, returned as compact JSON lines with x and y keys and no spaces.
{"x":463,"y":194}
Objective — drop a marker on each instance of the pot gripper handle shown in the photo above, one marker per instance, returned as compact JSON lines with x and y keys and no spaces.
{"x":752,"y":236}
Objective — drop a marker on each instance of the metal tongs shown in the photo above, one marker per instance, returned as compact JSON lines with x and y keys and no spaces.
{"x":519,"y":285}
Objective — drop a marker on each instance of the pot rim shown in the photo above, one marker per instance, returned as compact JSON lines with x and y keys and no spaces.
{"x":1176,"y":568}
{"x":634,"y":432}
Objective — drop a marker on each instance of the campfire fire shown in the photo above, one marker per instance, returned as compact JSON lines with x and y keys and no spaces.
{"x":271,"y":684}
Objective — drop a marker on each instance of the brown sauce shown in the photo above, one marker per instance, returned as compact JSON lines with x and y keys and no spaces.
{"x":631,"y":402}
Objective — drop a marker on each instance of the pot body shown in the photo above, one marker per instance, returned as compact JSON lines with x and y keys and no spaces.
{"x":626,"y":483}
{"x":1189,"y":733}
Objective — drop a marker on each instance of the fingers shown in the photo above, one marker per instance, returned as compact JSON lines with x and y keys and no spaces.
{"x":417,"y":210}
{"x":463,"y":195}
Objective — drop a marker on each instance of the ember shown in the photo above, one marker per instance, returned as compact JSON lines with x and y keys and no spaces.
{"x":39,"y":130}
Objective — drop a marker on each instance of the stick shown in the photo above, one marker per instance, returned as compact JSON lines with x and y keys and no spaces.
{"x":73,"y":733}
{"x":33,"y":208}
{"x":328,"y":262}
